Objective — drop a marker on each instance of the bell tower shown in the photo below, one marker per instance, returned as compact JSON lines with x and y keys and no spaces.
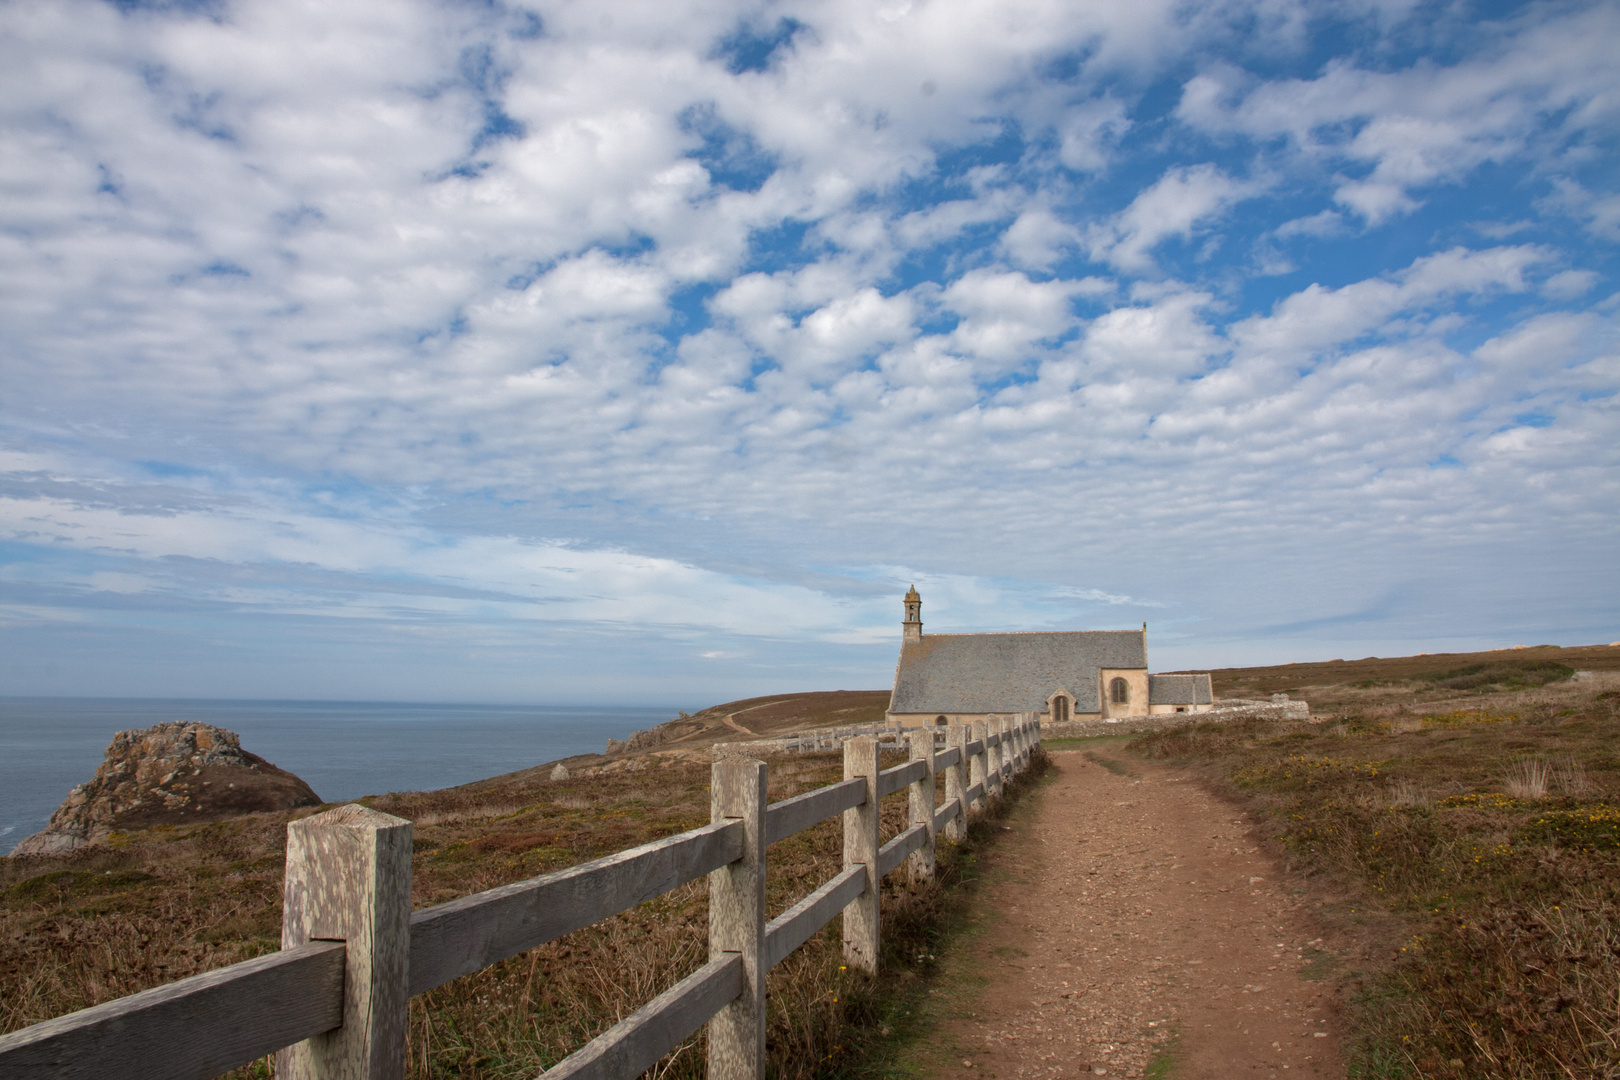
{"x":913,"y":623}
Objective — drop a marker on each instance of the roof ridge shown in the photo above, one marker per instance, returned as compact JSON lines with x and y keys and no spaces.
{"x":1029,"y":633}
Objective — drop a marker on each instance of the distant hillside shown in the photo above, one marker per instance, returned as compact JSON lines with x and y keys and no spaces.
{"x":771,"y":715}
{"x":1329,"y":682}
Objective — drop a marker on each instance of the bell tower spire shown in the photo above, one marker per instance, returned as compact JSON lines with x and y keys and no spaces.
{"x":913,"y":624}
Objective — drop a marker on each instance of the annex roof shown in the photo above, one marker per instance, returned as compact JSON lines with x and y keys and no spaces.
{"x":1180,"y":690}
{"x":1005,"y":673}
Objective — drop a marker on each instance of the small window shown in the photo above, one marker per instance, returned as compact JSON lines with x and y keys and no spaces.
{"x":1119,"y":692}
{"x":940,"y":721}
{"x":1060,"y":709}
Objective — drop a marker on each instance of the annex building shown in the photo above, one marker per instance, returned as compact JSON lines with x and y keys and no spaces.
{"x":1065,"y":675}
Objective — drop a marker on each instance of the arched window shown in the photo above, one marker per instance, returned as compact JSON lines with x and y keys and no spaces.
{"x":1060,"y":709}
{"x":1119,"y":692}
{"x":940,"y":721}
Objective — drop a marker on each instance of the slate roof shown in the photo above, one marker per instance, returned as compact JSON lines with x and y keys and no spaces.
{"x":1180,"y":690}
{"x":1006,"y":673}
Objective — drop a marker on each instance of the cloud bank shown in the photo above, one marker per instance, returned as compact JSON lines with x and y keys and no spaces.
{"x":560,"y":353}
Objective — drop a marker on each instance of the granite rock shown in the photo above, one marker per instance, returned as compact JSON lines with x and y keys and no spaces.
{"x":170,"y":774}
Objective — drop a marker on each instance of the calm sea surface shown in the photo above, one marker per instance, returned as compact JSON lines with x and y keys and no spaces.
{"x":341,"y":749}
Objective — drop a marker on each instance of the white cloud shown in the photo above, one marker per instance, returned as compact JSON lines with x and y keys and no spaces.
{"x":1038,"y":239}
{"x":1325,"y":223}
{"x":1569,"y":284}
{"x":1599,"y":212}
{"x":1182,"y":200}
{"x":1089,"y":133}
{"x":1318,"y":318}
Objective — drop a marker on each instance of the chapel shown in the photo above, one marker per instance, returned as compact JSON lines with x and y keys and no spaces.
{"x":1061,"y":674}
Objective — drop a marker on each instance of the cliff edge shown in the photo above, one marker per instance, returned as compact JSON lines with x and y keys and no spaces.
{"x":169,"y":774}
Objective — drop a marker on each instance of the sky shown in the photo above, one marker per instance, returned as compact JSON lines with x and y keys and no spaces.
{"x":647,"y":352}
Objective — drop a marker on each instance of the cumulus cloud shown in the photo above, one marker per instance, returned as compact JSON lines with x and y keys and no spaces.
{"x":1184,"y":199}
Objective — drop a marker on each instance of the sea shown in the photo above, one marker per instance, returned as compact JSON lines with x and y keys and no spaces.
{"x":342,"y":749}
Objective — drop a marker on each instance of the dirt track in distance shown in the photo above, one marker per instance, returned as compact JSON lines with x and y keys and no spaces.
{"x":1135,"y":917}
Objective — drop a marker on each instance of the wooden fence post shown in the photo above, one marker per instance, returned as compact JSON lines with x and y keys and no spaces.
{"x":955,"y":784}
{"x":997,"y":756}
{"x":861,"y":849}
{"x":737,"y":920}
{"x":349,"y":879}
{"x":920,"y":796}
{"x":979,"y":767}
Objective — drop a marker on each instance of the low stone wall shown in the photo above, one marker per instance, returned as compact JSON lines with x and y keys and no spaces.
{"x":1235,"y":709}
{"x":808,"y":742}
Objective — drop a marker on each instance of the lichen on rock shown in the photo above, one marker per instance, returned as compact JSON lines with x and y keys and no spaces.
{"x":173,"y":773}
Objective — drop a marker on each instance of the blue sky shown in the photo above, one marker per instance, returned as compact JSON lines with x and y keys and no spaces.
{"x":646,"y":352}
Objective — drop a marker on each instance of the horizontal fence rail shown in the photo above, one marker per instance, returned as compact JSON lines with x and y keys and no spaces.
{"x":193,"y":1027}
{"x":469,"y":934}
{"x":633,"y":1045}
{"x":332,"y":1001}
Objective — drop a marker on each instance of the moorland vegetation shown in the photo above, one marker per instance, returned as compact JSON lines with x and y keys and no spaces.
{"x":1460,"y":818}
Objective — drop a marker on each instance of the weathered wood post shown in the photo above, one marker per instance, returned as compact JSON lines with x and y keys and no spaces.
{"x":737,"y":920}
{"x":920,"y":796}
{"x":997,"y":756}
{"x":349,"y":879}
{"x":861,"y":849}
{"x":1006,"y":750}
{"x":979,"y":767}
{"x":1021,"y":740}
{"x":956,"y":782}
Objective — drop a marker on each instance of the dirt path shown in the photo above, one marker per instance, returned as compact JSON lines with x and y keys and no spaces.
{"x":730,"y":720}
{"x":1137,"y":919}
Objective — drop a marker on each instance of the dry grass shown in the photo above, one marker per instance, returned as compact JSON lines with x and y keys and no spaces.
{"x":1527,"y":779}
{"x":1408,"y":793}
{"x":99,"y":924}
{"x":1476,"y":854}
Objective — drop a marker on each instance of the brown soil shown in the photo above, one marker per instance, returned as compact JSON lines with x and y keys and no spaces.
{"x":1138,"y":924}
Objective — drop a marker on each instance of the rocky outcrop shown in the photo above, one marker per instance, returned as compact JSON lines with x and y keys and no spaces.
{"x":170,"y":774}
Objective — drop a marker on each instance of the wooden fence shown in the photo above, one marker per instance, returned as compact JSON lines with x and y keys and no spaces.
{"x":332,"y":1002}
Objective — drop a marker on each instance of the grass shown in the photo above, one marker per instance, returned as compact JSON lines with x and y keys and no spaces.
{"x":163,"y":904}
{"x":1118,"y":768}
{"x":1475,"y":851}
{"x":1163,"y":1065}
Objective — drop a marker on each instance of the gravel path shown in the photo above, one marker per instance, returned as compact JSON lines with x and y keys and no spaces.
{"x":1138,"y":916}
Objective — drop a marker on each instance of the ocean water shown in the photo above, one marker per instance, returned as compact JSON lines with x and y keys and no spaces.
{"x":341,"y":749}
